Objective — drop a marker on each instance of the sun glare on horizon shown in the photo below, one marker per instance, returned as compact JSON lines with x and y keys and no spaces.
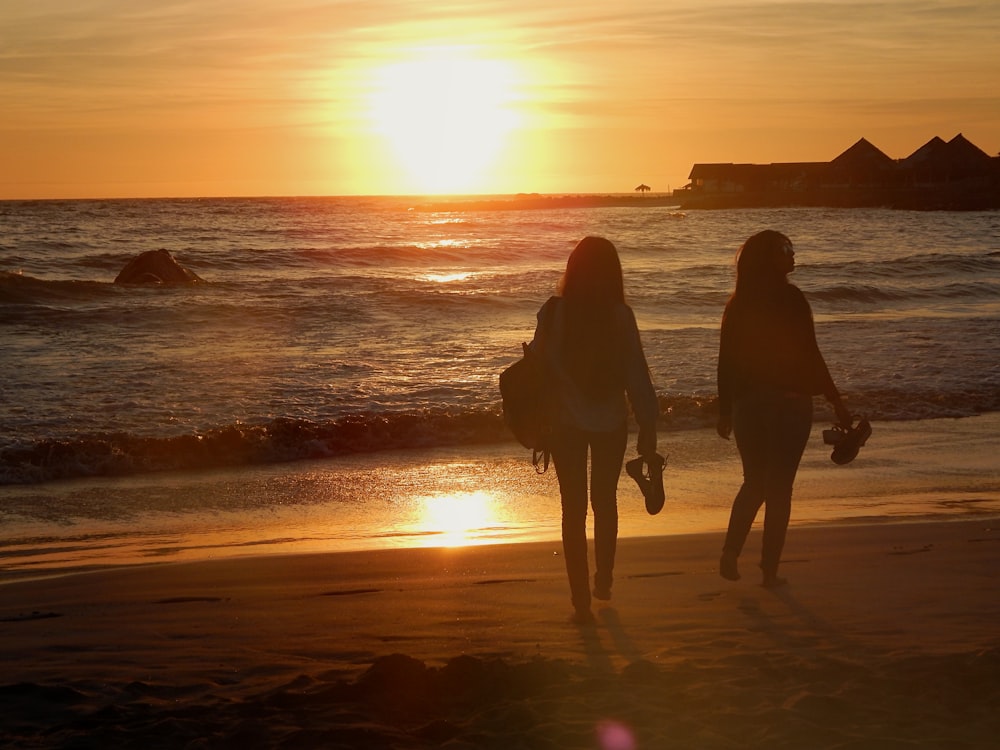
{"x":446,"y":115}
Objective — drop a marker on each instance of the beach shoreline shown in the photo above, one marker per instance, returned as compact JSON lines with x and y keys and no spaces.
{"x":480,"y":494}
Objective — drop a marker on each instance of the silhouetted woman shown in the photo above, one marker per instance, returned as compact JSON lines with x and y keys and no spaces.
{"x":591,"y":342}
{"x":769,"y":368}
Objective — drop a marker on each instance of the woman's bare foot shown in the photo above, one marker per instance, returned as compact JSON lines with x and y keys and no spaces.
{"x":727,"y":567}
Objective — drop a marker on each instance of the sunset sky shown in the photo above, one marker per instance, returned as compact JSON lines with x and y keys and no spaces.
{"x":118,"y":98}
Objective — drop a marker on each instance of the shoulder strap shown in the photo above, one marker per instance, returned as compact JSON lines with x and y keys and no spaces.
{"x":549,"y":309}
{"x":540,"y":456}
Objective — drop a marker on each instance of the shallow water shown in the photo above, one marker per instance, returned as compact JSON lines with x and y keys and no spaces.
{"x":935,"y":469}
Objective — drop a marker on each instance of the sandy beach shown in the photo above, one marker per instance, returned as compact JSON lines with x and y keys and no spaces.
{"x":208,"y":627}
{"x":885,"y":637}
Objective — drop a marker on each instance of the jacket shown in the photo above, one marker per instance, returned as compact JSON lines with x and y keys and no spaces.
{"x":770,"y":345}
{"x":610,"y":410}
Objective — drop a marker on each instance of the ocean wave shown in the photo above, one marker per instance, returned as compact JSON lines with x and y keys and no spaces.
{"x":290,"y":439}
{"x":280,"y":440}
{"x":945,"y":264}
{"x":978,"y":289}
{"x":19,"y":289}
{"x":918,"y":266}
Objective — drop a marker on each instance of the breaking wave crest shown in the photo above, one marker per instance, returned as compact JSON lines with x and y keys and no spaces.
{"x":286,"y":439}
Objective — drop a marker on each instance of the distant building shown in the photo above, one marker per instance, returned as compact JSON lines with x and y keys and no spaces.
{"x":952,"y":175}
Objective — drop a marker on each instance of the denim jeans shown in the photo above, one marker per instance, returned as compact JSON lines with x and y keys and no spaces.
{"x":771,"y":431}
{"x":569,"y":454}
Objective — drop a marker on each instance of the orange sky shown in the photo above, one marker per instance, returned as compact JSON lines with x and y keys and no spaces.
{"x":117,"y":98}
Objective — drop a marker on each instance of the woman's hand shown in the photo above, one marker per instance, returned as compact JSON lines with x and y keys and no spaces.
{"x":724,"y":427}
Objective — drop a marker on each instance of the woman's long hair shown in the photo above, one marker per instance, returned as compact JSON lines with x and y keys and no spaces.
{"x":592,"y":289}
{"x":759,"y":266}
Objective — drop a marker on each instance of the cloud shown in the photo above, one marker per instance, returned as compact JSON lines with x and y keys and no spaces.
{"x":711,"y":71}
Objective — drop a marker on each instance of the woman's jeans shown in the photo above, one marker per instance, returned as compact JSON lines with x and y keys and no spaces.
{"x":771,"y":430}
{"x":569,"y":454}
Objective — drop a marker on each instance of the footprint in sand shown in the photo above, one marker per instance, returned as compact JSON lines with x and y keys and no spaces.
{"x":26,"y":617}
{"x":351,"y":592}
{"x":912,"y":551}
{"x":657,"y":575}
{"x":493,"y":581}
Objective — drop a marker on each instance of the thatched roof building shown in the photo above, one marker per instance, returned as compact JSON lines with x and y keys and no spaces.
{"x":948,"y":175}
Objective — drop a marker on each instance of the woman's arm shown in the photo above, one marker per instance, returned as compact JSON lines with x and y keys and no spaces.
{"x":724,"y":378}
{"x":821,"y":373}
{"x":639,"y":387}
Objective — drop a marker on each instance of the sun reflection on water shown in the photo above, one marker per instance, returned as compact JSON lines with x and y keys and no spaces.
{"x":445,"y":278}
{"x":457,"y":519}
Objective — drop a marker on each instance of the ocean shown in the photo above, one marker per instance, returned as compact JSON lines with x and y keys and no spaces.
{"x":352,"y":329}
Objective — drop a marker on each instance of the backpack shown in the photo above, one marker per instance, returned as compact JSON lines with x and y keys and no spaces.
{"x":527,"y":403}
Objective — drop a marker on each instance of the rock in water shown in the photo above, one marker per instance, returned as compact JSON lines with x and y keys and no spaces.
{"x":156,"y":267}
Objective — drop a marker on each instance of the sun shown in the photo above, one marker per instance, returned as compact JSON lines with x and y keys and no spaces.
{"x":446,"y":114}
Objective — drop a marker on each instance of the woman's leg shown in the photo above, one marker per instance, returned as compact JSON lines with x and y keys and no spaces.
{"x":607,"y":452}
{"x":792,"y":422}
{"x":569,"y":455}
{"x":752,"y":434}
